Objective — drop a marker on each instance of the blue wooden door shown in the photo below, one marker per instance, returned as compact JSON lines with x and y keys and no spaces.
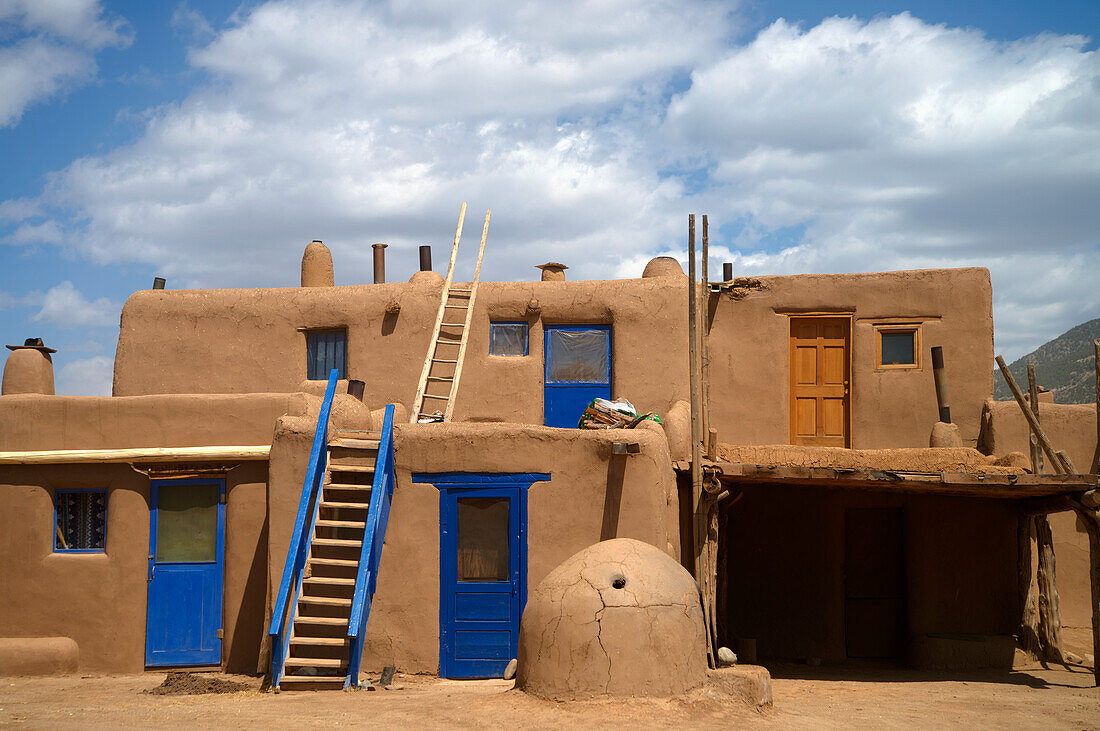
{"x":578,"y":369}
{"x":186,"y":551}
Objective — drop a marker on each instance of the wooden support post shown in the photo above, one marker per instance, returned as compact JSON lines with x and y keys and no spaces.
{"x":1050,"y":619}
{"x":1067,"y":464}
{"x":1033,"y":397}
{"x":1029,"y":612}
{"x":1091,"y":519}
{"x":704,"y":331}
{"x":712,"y":445}
{"x":1032,"y":421}
{"x":1096,"y":349}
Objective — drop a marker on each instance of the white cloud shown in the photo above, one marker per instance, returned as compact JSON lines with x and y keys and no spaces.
{"x":591,"y":128}
{"x":52,"y":51}
{"x":66,"y":306}
{"x":86,"y":377}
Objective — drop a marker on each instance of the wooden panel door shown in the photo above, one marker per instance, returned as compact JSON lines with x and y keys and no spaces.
{"x":820,"y":359}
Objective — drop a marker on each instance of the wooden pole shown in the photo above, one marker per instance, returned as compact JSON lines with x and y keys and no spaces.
{"x":1032,"y":421}
{"x":142,"y":454}
{"x":704,"y":334}
{"x":1050,"y":618}
{"x":1029,"y":612}
{"x":1096,"y":348}
{"x":1033,"y":396}
{"x":466,"y":324}
{"x":1091,"y":519}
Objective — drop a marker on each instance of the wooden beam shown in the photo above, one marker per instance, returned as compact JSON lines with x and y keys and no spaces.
{"x":1091,"y":519}
{"x":1050,"y":615}
{"x":141,"y":454}
{"x":1096,"y":363}
{"x":1033,"y":443}
{"x":699,"y":539}
{"x":1029,"y":613}
{"x":1032,"y":421}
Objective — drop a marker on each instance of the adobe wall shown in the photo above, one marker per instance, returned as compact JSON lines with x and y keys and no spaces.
{"x":784,"y":549}
{"x":1071,"y":427}
{"x":590,"y":496}
{"x":235,"y":341}
{"x":749,"y":351}
{"x":99,"y":599}
{"x":34,"y":422}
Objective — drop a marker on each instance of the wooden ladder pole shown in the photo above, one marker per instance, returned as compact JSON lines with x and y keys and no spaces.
{"x":1030,"y":416}
{"x":1033,"y":397}
{"x":466,"y":325}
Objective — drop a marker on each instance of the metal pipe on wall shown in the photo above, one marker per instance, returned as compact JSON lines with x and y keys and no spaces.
{"x":425,"y":258}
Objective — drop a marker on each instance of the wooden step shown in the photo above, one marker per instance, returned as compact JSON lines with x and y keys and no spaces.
{"x":443,"y":360}
{"x":330,"y":682}
{"x":336,"y":504}
{"x":338,"y":542}
{"x":320,"y":641}
{"x":341,"y":523}
{"x":456,"y":307}
{"x":440,"y":378}
{"x":348,"y":486}
{"x":453,"y":324}
{"x":316,"y":662}
{"x":331,"y":601}
{"x":438,"y":398}
{"x":329,"y":580}
{"x":344,"y":443}
{"x":337,"y":467}
{"x":459,"y":289}
{"x":334,"y":621}
{"x":335,"y":562}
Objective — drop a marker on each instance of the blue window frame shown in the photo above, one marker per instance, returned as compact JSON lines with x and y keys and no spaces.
{"x":80,"y":521}
{"x":508,"y":338}
{"x":326,"y":350}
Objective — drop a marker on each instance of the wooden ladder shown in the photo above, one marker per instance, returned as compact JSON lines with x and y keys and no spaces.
{"x":317,"y":655}
{"x":443,"y":366}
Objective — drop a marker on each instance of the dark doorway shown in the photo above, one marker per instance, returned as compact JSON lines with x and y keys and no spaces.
{"x":874,"y":583}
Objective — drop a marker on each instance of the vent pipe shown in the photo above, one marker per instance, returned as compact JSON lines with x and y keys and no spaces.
{"x":425,"y":258}
{"x":379,"y":263}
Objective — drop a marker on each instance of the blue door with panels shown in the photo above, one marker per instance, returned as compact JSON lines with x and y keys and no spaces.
{"x":186,"y":555}
{"x":578,"y":369}
{"x":483,"y":569}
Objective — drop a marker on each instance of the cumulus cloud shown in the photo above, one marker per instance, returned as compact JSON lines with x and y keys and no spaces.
{"x":52,"y":49}
{"x":66,"y":306}
{"x":591,"y":128}
{"x":86,"y":377}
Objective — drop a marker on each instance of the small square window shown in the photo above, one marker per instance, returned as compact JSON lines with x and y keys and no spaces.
{"x":898,"y":347}
{"x":326,"y":350}
{"x":508,"y":338}
{"x":80,"y":520}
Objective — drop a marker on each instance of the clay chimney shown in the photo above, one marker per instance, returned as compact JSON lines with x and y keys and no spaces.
{"x":425,"y":258}
{"x":552,"y":271}
{"x":379,"y":263}
{"x":317,"y":266}
{"x":29,"y":369}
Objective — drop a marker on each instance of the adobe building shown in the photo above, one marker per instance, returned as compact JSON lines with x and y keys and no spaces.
{"x":255,"y":496}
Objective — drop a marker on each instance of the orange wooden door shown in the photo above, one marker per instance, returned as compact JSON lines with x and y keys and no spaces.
{"x":820,"y":354}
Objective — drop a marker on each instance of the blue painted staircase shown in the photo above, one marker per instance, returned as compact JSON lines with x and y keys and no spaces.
{"x":324,"y":600}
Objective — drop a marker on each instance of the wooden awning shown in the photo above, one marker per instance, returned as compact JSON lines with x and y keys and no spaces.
{"x":957,"y":484}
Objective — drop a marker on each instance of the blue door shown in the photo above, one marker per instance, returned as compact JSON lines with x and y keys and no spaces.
{"x":186,"y":549}
{"x":578,"y":369}
{"x":483,"y":569}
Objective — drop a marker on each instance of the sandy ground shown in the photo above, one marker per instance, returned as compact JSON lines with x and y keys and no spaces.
{"x":805,"y":698}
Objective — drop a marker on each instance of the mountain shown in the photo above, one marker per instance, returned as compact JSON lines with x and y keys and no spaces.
{"x":1065,"y":365}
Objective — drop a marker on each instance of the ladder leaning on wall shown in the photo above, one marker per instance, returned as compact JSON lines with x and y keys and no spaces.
{"x":438,"y":386}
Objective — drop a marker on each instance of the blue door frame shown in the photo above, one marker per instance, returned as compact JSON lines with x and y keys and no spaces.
{"x":565,"y":400}
{"x":184,"y":616}
{"x":479,"y":620}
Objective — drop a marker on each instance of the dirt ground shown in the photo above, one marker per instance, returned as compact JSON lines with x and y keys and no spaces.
{"x":805,"y":698}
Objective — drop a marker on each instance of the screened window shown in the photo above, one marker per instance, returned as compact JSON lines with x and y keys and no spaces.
{"x":483,"y":548}
{"x":325,"y":351}
{"x":508,"y":338}
{"x":578,"y":356}
{"x":898,"y":347}
{"x":80,"y":520}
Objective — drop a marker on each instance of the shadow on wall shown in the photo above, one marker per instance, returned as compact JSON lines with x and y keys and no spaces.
{"x":613,"y":498}
{"x":250,"y":629}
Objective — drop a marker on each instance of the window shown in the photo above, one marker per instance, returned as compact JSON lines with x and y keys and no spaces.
{"x":326,"y":350}
{"x":578,"y":354}
{"x":508,"y":338}
{"x":80,"y":520}
{"x":898,"y":346}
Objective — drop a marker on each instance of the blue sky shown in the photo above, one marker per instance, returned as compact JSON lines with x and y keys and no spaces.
{"x":208,"y":142}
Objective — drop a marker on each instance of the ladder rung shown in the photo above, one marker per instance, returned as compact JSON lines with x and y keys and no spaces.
{"x":326,"y":679}
{"x":440,"y":378}
{"x":332,"y":601}
{"x":459,"y":289}
{"x":341,"y":542}
{"x":365,"y":444}
{"x":455,"y":307}
{"x":334,"y":561}
{"x":332,"y":580}
{"x":334,"y":504}
{"x":338,"y":621}
{"x":438,"y":398}
{"x":341,"y":523}
{"x":443,"y":360}
{"x":347,"y":486}
{"x":316,"y":662}
{"x":337,"y":467}
{"x":323,"y":641}
{"x":453,"y":324}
